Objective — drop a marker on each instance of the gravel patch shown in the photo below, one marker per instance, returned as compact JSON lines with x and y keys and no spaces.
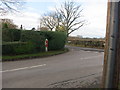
{"x":92,"y":81}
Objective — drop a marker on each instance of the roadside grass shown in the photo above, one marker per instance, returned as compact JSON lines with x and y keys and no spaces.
{"x":36,"y":55}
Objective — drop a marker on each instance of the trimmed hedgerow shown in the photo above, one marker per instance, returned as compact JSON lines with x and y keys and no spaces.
{"x":37,"y":40}
{"x":29,"y":41}
{"x":11,"y":35}
{"x":56,"y":40}
{"x":14,"y":48}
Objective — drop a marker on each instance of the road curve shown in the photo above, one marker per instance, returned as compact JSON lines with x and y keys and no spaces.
{"x":66,"y":70}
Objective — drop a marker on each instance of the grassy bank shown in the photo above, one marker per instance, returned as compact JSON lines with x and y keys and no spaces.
{"x":36,"y":55}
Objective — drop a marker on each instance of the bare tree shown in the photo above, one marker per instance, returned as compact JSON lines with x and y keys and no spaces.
{"x":50,"y":20}
{"x":8,"y":23}
{"x":68,"y":17}
{"x":10,"y":6}
{"x":43,"y":29}
{"x":71,"y":16}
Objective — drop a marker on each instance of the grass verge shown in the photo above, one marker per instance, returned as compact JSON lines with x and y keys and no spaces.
{"x":36,"y":55}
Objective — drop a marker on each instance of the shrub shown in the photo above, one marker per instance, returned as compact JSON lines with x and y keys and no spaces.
{"x":23,"y":48}
{"x":11,"y":35}
{"x":4,"y":25}
{"x":31,"y":41}
{"x":16,"y":34}
{"x":11,"y":48}
{"x":37,"y":40}
{"x":7,"y":35}
{"x":56,"y":40}
{"x":7,"y":48}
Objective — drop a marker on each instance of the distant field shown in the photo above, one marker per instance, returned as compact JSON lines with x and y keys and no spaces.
{"x":86,"y":42}
{"x":86,"y":39}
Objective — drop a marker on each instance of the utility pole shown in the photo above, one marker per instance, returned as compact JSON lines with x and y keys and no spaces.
{"x":112,"y":48}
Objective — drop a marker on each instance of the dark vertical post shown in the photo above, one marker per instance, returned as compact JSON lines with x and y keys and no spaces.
{"x":21,"y":27}
{"x":117,"y":65}
{"x":111,"y":58}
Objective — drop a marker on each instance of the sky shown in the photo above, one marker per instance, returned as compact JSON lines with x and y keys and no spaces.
{"x":94,"y":12}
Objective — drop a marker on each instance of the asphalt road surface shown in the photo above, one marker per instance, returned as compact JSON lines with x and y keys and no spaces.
{"x":70,"y":70}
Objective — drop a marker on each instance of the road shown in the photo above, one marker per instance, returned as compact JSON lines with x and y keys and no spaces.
{"x":65,"y":70}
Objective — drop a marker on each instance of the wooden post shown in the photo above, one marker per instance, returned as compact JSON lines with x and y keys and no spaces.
{"x":106,"y":45}
{"x":117,"y":65}
{"x":112,"y":48}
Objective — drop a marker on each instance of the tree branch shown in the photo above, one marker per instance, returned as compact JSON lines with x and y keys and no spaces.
{"x":75,"y":29}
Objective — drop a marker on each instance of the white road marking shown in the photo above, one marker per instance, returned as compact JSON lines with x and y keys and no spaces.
{"x":91,"y":57}
{"x":88,"y":51}
{"x":96,"y":52}
{"x":23,"y":68}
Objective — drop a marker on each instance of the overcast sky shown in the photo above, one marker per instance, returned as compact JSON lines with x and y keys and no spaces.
{"x":94,"y":12}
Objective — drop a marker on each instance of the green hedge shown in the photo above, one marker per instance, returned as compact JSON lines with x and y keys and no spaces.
{"x":11,"y":35}
{"x":37,"y":40}
{"x":29,"y":41}
{"x":14,"y":48}
{"x":56,"y":40}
